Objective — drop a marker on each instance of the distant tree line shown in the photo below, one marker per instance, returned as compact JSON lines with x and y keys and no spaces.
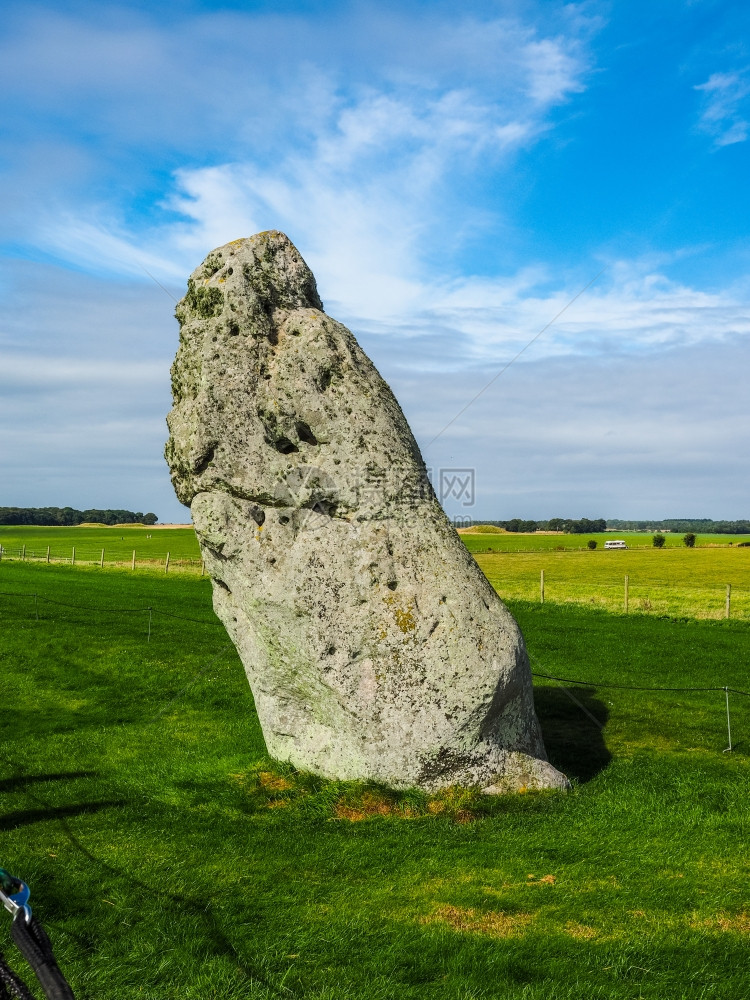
{"x":583,"y":526}
{"x":683,"y":525}
{"x":66,"y":516}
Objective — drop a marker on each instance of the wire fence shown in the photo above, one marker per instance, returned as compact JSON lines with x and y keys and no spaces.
{"x":148,"y":611}
{"x":630,"y":593}
{"x":606,"y":686}
{"x":37,"y":602}
{"x":88,"y":556}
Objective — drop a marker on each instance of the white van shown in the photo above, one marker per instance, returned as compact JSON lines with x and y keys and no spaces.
{"x":615,"y":545}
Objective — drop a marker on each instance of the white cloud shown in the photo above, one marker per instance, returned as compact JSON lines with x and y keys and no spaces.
{"x":726,"y":107}
{"x":32,"y":371}
{"x":366,"y":143}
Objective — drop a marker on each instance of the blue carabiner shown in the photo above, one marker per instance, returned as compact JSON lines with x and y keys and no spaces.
{"x":14,"y":895}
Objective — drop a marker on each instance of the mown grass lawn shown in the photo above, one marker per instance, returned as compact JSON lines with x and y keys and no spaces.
{"x":169,"y":857}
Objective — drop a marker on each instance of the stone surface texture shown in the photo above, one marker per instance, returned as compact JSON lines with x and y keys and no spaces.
{"x":374,"y":646}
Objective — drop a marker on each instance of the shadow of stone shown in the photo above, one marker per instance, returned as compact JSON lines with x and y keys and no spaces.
{"x":23,"y":817}
{"x":20,"y":781}
{"x":572,"y":722}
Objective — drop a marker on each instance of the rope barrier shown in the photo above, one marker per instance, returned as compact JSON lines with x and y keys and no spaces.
{"x":636,"y":687}
{"x":182,"y":618}
{"x":534,"y":673}
{"x":112,"y":611}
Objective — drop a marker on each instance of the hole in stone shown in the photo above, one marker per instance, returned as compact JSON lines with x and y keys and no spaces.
{"x":201,"y":463}
{"x":222,"y":585}
{"x":283,"y":519}
{"x":324,"y":507}
{"x":295,"y":333}
{"x":234,"y":328}
{"x":258,"y":514}
{"x":285,"y":446}
{"x":392,"y":584}
{"x":304,"y":433}
{"x":272,"y":560}
{"x":330,"y":650}
{"x":230,"y":270}
{"x":273,"y":336}
{"x":325,"y":379}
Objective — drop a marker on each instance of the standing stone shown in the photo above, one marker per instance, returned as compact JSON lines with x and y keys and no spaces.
{"x":374,"y":646}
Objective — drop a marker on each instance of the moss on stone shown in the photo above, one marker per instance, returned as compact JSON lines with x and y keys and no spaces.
{"x":204,"y":302}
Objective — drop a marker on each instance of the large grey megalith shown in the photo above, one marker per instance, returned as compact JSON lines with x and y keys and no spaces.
{"x":374,"y":646}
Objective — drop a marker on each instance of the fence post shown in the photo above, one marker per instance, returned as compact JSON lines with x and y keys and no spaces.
{"x":728,"y":605}
{"x":166,"y":564}
{"x":101,"y":561}
{"x":627,"y":582}
{"x":729,"y":726}
{"x":541,"y":588}
{"x":23,"y":553}
{"x":48,"y":553}
{"x":73,"y":557}
{"x":132,"y":565}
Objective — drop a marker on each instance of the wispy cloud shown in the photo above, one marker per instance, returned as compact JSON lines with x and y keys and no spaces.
{"x":726,"y":107}
{"x":382,"y":131}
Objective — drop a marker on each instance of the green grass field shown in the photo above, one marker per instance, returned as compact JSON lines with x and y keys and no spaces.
{"x":151,"y":545}
{"x":169,"y":857}
{"x":513,"y":542}
{"x":676,"y":581}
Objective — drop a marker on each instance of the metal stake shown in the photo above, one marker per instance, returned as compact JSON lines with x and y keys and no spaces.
{"x":729,"y":725}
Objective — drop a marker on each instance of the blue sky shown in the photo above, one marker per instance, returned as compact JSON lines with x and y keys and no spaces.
{"x":454,"y":177}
